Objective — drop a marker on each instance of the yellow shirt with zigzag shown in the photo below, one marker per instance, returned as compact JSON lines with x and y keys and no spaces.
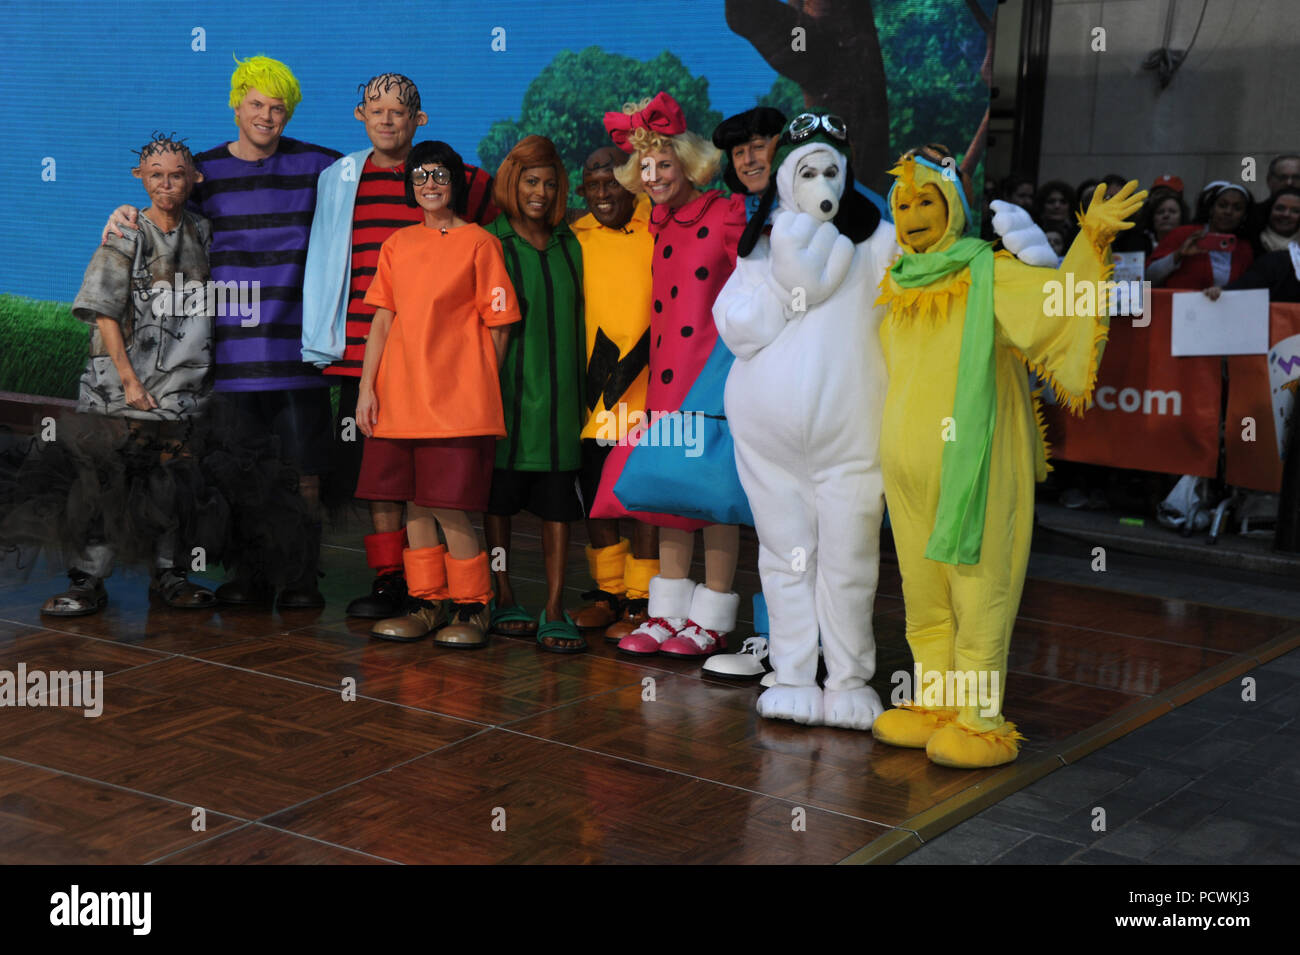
{"x":616,"y":285}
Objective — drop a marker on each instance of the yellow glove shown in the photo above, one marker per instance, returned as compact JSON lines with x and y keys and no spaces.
{"x":1106,"y":218}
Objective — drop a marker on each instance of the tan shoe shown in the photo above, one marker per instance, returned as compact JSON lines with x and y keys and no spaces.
{"x":425,"y":617}
{"x":602,"y":610}
{"x":468,"y":629}
{"x":635,"y":613}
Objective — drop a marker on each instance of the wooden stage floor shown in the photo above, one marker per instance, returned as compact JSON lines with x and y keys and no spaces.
{"x":242,"y":714}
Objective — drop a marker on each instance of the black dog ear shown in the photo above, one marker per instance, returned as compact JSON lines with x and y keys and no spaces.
{"x":858,"y":216}
{"x":754,"y":228}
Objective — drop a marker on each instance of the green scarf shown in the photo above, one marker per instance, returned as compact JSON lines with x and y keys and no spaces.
{"x":964,"y":482}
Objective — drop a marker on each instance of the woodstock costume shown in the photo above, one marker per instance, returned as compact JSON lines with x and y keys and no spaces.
{"x":961,"y":446}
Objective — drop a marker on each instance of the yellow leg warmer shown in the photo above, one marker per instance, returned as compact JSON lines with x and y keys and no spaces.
{"x":637,"y":573}
{"x":606,"y":565}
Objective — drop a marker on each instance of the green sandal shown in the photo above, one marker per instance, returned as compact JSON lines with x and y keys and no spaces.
{"x":512,"y":621}
{"x":564,"y":629}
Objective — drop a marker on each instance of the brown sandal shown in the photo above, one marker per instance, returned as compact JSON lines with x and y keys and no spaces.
{"x":175,"y":590}
{"x":86,"y":595}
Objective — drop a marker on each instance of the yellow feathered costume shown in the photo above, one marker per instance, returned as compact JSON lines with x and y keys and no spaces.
{"x":961,"y":600}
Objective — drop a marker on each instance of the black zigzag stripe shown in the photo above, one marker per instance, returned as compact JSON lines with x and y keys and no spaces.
{"x":608,"y":377}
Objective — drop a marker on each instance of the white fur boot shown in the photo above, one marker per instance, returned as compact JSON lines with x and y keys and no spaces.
{"x":713,"y":616}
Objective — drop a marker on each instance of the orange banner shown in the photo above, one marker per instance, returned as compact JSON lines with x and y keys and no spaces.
{"x":1260,"y":389}
{"x":1150,"y":411}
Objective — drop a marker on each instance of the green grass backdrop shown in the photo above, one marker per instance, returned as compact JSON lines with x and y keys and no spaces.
{"x":42,"y":347}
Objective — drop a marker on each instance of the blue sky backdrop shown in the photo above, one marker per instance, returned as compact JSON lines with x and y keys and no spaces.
{"x":87,"y":82}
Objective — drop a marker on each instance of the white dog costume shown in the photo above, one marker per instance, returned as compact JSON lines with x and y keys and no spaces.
{"x":804,"y":401}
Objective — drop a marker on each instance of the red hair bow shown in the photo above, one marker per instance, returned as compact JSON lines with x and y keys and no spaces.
{"x":661,"y":115}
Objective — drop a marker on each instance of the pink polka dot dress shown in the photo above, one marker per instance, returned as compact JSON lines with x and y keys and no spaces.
{"x":694,"y":255}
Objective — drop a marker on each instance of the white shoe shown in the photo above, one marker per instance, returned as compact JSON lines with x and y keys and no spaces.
{"x":769,"y":679}
{"x":745,"y":665}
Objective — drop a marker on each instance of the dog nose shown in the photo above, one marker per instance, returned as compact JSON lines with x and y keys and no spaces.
{"x":826,"y":205}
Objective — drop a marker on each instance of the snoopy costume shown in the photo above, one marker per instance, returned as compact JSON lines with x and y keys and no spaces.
{"x":804,"y":399}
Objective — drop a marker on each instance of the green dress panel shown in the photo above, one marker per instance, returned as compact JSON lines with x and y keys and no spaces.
{"x":542,"y":375}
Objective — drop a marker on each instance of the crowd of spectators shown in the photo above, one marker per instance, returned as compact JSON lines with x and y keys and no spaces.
{"x":1221,"y":238}
{"x":1214,"y":245}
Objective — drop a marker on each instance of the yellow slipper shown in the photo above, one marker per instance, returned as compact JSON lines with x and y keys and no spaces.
{"x":910,"y":726}
{"x":961,"y":747}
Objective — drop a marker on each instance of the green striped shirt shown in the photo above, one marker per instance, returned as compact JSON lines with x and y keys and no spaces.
{"x":542,"y":375}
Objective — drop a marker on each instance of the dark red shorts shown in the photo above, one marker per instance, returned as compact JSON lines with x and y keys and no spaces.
{"x":454,"y":473}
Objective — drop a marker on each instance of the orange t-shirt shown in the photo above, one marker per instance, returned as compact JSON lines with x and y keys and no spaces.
{"x":438,"y":374}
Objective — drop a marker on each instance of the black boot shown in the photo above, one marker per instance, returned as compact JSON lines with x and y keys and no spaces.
{"x":246,"y":589}
{"x":387,"y":598}
{"x":303,"y":593}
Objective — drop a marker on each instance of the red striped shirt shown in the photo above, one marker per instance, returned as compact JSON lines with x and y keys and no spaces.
{"x":380,"y":211}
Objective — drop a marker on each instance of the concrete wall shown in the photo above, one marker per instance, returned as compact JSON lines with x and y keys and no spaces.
{"x":1006,"y":67}
{"x":1237,"y":93}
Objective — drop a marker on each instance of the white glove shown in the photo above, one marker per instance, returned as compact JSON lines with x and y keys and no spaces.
{"x":809,"y":254}
{"x":1021,"y":237}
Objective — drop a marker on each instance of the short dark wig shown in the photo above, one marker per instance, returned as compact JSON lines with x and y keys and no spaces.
{"x":741,"y":128}
{"x":436,"y":151}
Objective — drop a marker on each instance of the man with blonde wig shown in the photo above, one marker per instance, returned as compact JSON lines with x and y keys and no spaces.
{"x":259,"y":192}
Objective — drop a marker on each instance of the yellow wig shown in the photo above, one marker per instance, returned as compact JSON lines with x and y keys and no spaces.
{"x":268,"y":76}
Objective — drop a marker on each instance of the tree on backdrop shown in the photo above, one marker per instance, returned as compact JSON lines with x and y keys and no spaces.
{"x":927,"y":83}
{"x":568,"y":100}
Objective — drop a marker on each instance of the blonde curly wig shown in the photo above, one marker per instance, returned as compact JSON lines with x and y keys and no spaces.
{"x":700,"y":159}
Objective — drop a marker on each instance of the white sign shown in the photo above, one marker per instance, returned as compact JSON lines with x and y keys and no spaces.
{"x":1129,"y":266}
{"x":1237,"y":324}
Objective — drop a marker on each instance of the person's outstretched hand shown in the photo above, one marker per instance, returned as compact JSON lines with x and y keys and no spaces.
{"x":1107,"y":218}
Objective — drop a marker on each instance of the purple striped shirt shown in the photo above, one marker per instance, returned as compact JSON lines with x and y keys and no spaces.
{"x":261,"y":216}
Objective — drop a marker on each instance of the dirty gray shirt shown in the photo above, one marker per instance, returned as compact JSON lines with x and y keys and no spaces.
{"x":154,"y":284}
